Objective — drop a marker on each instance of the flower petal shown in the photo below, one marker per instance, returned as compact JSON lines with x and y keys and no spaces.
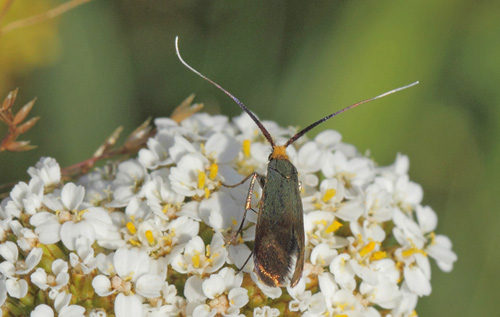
{"x":126,"y":306}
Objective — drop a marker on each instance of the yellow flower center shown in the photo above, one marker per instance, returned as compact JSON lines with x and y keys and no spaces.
{"x":196,"y":260}
{"x":246,"y":147}
{"x":149,"y":236}
{"x":412,"y":251}
{"x":333,"y":227}
{"x":378,"y":255}
{"x":201,"y":179}
{"x":329,"y":195}
{"x":131,"y":228}
{"x":214,"y":168}
{"x":367,"y":248}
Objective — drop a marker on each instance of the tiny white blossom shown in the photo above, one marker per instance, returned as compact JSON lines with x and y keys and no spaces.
{"x":440,"y":250}
{"x":156,"y":153}
{"x":25,"y":198}
{"x":128,"y":306}
{"x":197,"y":259}
{"x":266,"y":311}
{"x":58,"y":279}
{"x":16,"y":288}
{"x":48,"y":170}
{"x":128,"y":182}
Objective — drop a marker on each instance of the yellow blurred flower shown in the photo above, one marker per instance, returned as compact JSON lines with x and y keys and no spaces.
{"x":27,"y":48}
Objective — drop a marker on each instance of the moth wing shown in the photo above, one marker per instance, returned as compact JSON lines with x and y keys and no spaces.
{"x":279,"y":236}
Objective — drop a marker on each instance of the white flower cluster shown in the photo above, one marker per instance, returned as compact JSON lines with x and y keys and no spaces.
{"x":155,"y":235}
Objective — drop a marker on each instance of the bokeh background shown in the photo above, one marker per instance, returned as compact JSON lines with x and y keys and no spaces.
{"x":111,"y":63}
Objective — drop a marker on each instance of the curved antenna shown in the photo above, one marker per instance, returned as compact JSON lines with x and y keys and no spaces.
{"x":309,"y":127}
{"x":239,"y":103}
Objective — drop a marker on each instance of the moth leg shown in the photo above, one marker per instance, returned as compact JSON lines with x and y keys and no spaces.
{"x":244,"y":264}
{"x":248,"y":203}
{"x":238,"y":184}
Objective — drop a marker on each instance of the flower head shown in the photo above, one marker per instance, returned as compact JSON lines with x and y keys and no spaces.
{"x":160,"y":235}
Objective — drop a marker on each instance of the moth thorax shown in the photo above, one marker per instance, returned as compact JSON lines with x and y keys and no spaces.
{"x":279,"y":153}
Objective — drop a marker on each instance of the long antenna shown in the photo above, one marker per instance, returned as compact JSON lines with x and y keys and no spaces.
{"x":239,"y":103}
{"x":306,"y":129}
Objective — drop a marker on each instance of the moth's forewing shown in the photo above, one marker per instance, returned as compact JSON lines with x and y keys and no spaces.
{"x":279,"y":236}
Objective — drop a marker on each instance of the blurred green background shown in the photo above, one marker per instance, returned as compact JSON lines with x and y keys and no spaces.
{"x":111,"y":63}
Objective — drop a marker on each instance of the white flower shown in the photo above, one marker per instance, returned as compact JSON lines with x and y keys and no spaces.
{"x":149,"y":285}
{"x":193,"y":290}
{"x":13,"y":268}
{"x":71,"y":231}
{"x":134,"y":271}
{"x":106,"y":231}
{"x":203,"y":125}
{"x":407,"y":232}
{"x":172,"y":305}
{"x":128,"y":306}
{"x":224,"y":291}
{"x":62,"y":307}
{"x":355,"y":172}
{"x":396,"y":181}
{"x":343,"y":271}
{"x":308,"y":162}
{"x":304,"y":300}
{"x":47,"y":227}
{"x":182,"y":147}
{"x":204,"y":310}
{"x":84,"y":257}
{"x":42,"y":310}
{"x":97,"y":186}
{"x":328,"y":287}
{"x":440,"y":250}
{"x":199,"y":259}
{"x":9,"y":252}
{"x":406,"y":305}
{"x":439,"y":247}
{"x":221,"y":148}
{"x":378,"y":202}
{"x":386,"y":292}
{"x":156,"y":153}
{"x":25,"y":197}
{"x":128,"y":182}
{"x":179,"y":232}
{"x":58,"y":279}
{"x":188,"y":177}
{"x":131,"y":264}
{"x":102,"y":286}
{"x":222,"y":212}
{"x":160,"y":196}
{"x":16,"y":288}
{"x":320,"y":227}
{"x":48,"y":170}
{"x":417,"y":271}
{"x":26,"y":238}
{"x":322,"y":255}
{"x":266,"y":311}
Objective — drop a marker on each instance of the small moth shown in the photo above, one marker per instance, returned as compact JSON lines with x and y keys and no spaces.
{"x":279,"y":237}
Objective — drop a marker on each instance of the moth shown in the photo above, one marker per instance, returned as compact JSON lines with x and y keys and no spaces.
{"x":279,"y":244}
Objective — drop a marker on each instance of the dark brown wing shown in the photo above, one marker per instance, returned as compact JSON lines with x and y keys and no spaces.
{"x":279,"y":236}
